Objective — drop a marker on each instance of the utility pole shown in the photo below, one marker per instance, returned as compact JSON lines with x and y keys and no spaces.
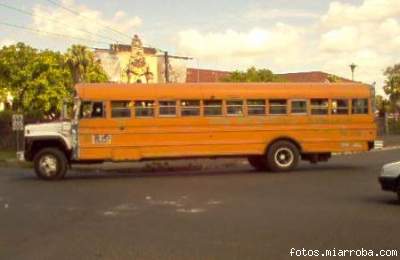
{"x":353,"y":68}
{"x":166,"y":71}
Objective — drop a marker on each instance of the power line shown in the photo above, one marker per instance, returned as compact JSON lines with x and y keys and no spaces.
{"x":26,"y":12}
{"x":51,"y":33}
{"x":57,"y":3}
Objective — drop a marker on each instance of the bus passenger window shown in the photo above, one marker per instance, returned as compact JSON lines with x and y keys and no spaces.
{"x":121,"y":109}
{"x":340,"y":107}
{"x":144,"y":108}
{"x":278,"y":107}
{"x":234,"y":107}
{"x":90,"y":109}
{"x":299,"y":107}
{"x":359,"y":106}
{"x":190,"y":107}
{"x":319,"y":106}
{"x":167,"y":108}
{"x":212,"y":107}
{"x":256,"y":107}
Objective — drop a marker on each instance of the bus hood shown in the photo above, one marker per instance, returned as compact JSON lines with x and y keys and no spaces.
{"x":48,"y":129}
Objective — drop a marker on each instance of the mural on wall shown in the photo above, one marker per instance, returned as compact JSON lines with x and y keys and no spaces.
{"x":135,"y":63}
{"x":137,"y":70}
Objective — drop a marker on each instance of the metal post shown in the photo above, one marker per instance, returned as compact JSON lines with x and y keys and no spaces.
{"x":386,"y":124}
{"x":166,"y":60}
{"x":17,"y":140}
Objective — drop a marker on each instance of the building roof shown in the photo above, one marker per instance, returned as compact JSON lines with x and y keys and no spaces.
{"x":203,"y":75}
{"x":313,"y":76}
{"x":127,"y":48}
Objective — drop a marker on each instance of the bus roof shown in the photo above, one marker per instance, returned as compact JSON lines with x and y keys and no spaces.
{"x":112,"y":91}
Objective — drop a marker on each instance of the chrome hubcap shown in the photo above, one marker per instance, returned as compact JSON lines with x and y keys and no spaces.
{"x":48,"y":165}
{"x":284,"y":157}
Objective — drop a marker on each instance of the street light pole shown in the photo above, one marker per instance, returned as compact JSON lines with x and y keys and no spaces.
{"x":353,"y":68}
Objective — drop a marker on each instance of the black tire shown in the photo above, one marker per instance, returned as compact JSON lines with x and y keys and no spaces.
{"x":258,"y":163}
{"x":282,"y":156}
{"x":398,"y":192}
{"x":50,"y":164}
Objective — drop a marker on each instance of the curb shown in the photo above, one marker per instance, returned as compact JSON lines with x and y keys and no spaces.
{"x":389,"y":148}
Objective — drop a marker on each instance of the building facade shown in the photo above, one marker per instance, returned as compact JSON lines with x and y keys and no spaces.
{"x":135,"y":63}
{"x":138,"y":64}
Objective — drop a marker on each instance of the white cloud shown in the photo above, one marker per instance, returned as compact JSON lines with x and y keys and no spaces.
{"x":6,"y":42}
{"x":269,"y":14}
{"x":252,"y":43}
{"x":370,"y":11}
{"x":341,"y":39}
{"x":367,"y":34}
{"x":89,"y":21}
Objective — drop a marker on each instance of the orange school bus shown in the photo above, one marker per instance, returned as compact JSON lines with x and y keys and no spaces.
{"x":274,"y":125}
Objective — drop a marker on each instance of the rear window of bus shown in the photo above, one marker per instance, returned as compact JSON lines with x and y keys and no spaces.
{"x":359,"y":106}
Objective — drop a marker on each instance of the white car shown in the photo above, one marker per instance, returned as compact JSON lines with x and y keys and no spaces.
{"x":390,"y":177}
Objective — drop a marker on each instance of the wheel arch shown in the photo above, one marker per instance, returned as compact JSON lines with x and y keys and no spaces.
{"x":34,"y":144}
{"x":287,"y":139}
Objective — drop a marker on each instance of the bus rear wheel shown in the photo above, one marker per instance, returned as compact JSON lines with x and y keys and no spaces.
{"x":258,"y":163}
{"x":398,"y":192}
{"x":50,"y":164}
{"x":282,"y":156}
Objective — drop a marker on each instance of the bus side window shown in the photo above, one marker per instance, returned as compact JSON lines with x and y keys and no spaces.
{"x":278,"y":106}
{"x":256,"y":107}
{"x":92,"y":109}
{"x":167,"y":108}
{"x":120,"y":109}
{"x":190,"y":107}
{"x":234,"y":107}
{"x":359,"y":106}
{"x":212,"y":107}
{"x":340,"y":107}
{"x":144,"y":108}
{"x":299,"y":107}
{"x":319,"y":106}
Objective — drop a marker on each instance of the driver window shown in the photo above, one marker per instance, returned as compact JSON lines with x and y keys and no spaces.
{"x":92,"y":109}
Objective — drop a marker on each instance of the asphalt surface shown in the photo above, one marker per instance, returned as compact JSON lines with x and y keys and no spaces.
{"x":221,"y":212}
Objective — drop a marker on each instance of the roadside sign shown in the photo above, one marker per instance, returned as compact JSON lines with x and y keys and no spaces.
{"x":17,"y":122}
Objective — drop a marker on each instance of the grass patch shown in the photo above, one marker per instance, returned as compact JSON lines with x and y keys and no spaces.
{"x":8,"y":155}
{"x":8,"y":158}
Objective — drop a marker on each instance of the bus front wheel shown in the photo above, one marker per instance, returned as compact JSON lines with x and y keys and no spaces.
{"x":282,"y":156}
{"x":50,"y":164}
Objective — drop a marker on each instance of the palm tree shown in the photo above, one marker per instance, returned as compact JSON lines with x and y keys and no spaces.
{"x":79,"y":58}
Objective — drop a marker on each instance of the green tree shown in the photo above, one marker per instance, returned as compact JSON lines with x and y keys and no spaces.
{"x":333,"y":78}
{"x":82,"y":65}
{"x":40,"y":81}
{"x":382,"y":105}
{"x":253,"y":75}
{"x":17,"y":64}
{"x":392,"y":84}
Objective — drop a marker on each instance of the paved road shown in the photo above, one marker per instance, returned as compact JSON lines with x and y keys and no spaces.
{"x":227,"y":213}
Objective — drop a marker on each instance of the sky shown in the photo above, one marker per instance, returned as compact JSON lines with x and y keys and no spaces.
{"x":281,"y":35}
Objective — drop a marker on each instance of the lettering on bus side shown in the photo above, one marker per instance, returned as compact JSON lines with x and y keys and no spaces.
{"x":101,"y":139}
